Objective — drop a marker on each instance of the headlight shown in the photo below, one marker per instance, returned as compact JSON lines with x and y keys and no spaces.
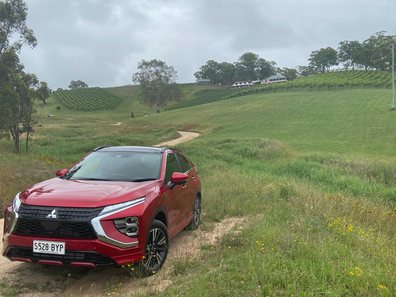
{"x":16,"y":204}
{"x":118,"y":206}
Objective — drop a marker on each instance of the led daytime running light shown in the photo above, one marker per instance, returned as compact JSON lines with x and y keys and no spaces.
{"x":16,"y":203}
{"x":114,"y":207}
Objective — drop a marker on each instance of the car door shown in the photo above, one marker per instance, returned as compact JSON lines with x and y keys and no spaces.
{"x":189,"y":188}
{"x":173,"y":198}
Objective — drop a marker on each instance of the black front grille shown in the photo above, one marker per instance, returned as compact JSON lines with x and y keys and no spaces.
{"x":63,"y":213}
{"x":55,"y":229}
{"x":67,"y":258}
{"x":56,"y":222}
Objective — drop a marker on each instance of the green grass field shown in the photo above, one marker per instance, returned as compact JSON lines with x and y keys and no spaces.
{"x":312,"y":172}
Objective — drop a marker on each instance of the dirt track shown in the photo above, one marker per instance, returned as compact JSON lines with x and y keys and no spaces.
{"x":55,"y":280}
{"x":185,"y":136}
{"x":42,"y":280}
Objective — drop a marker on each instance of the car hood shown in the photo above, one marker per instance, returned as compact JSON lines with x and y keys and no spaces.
{"x":74,"y":193}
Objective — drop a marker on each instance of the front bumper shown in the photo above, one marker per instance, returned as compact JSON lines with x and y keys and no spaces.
{"x":90,"y":253}
{"x":106,"y":246}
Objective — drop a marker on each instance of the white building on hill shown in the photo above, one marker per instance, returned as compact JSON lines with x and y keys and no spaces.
{"x":274,"y":79}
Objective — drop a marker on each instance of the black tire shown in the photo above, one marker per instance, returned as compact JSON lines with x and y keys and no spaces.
{"x":157,"y":246}
{"x":197,"y":214}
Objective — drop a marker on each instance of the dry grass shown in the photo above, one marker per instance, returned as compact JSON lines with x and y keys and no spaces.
{"x":20,"y":172}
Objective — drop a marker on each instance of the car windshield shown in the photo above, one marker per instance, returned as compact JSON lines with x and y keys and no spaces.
{"x":117,"y":166}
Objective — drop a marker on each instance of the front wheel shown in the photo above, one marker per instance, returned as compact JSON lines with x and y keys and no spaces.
{"x":157,"y":245}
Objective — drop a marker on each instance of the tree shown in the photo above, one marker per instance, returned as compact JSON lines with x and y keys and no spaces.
{"x":265,"y":68}
{"x":348,"y":52}
{"x":157,"y":83}
{"x":247,"y":66}
{"x":13,"y":14}
{"x":226,"y":72}
{"x":208,"y":71}
{"x":251,"y":67}
{"x":323,"y":59}
{"x":289,"y":73}
{"x":377,"y":52}
{"x":77,"y":84}
{"x":305,"y":71}
{"x":17,"y":108}
{"x":45,"y":91}
{"x":17,"y":89}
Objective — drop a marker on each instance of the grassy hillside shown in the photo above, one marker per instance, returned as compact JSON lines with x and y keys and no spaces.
{"x":326,"y":81}
{"x":123,"y":110}
{"x":313,"y":174}
{"x":351,"y":122}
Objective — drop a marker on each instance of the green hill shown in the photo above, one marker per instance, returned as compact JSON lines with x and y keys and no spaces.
{"x":309,"y":178}
{"x":326,"y":81}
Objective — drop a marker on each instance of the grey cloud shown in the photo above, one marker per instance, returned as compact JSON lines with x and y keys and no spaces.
{"x":101,"y":41}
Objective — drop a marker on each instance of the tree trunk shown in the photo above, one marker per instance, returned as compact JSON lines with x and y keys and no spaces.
{"x":27,"y":140}
{"x":16,"y":142}
{"x":158,"y":107}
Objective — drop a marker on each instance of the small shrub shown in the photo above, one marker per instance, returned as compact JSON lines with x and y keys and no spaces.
{"x":132,"y":115}
{"x":58,"y":108}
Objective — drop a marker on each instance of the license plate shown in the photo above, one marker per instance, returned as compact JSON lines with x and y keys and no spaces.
{"x":48,"y":247}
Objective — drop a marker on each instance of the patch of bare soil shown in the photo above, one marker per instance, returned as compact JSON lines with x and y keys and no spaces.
{"x":118,"y":123}
{"x":185,"y":136}
{"x":41,"y":280}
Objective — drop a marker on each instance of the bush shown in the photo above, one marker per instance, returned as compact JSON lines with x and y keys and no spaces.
{"x":58,"y":108}
{"x":132,"y":115}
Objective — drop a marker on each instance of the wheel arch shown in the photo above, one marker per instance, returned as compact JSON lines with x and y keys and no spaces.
{"x":160,"y":215}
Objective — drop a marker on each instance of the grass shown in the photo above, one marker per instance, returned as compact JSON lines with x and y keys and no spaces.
{"x":300,"y":241}
{"x":313,"y":172}
{"x":357,"y":123}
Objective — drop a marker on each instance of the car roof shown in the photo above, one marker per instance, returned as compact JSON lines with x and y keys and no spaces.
{"x":140,"y":149}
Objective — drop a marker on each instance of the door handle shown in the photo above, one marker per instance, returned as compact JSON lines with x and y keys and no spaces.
{"x":184,"y":186}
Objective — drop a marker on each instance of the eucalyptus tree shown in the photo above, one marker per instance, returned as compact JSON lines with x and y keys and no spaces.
{"x":378,"y":53}
{"x":77,"y":84}
{"x":18,"y":90}
{"x":348,"y":53}
{"x":157,"y":83}
{"x":323,"y":59}
{"x":209,"y":70}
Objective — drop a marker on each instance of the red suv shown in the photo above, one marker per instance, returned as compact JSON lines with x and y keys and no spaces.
{"x":116,"y":206}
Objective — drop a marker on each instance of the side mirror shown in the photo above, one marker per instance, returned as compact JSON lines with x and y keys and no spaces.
{"x":61,"y":172}
{"x":178,"y":178}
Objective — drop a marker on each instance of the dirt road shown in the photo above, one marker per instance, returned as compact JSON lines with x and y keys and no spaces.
{"x":185,"y":136}
{"x":43,"y":280}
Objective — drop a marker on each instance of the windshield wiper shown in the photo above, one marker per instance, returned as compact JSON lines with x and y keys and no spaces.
{"x":91,"y":178}
{"x":142,"y":179}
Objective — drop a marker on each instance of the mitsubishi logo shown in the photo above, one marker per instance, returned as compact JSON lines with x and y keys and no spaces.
{"x":52,"y":214}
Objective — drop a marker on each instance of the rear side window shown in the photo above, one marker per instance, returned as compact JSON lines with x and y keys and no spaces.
{"x":185,"y":166}
{"x":171,"y":167}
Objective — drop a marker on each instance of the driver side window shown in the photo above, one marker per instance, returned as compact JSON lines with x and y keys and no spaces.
{"x":171,"y":167}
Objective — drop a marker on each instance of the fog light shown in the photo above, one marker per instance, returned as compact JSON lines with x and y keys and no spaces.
{"x":131,"y":220}
{"x":128,"y":226}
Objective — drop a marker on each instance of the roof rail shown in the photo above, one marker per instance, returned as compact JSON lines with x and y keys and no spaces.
{"x":100,"y":147}
{"x":172,"y":148}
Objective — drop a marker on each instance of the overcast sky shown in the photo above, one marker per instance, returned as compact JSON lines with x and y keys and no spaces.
{"x":101,"y":41}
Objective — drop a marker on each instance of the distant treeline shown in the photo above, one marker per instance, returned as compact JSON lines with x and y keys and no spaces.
{"x":374,"y":53}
